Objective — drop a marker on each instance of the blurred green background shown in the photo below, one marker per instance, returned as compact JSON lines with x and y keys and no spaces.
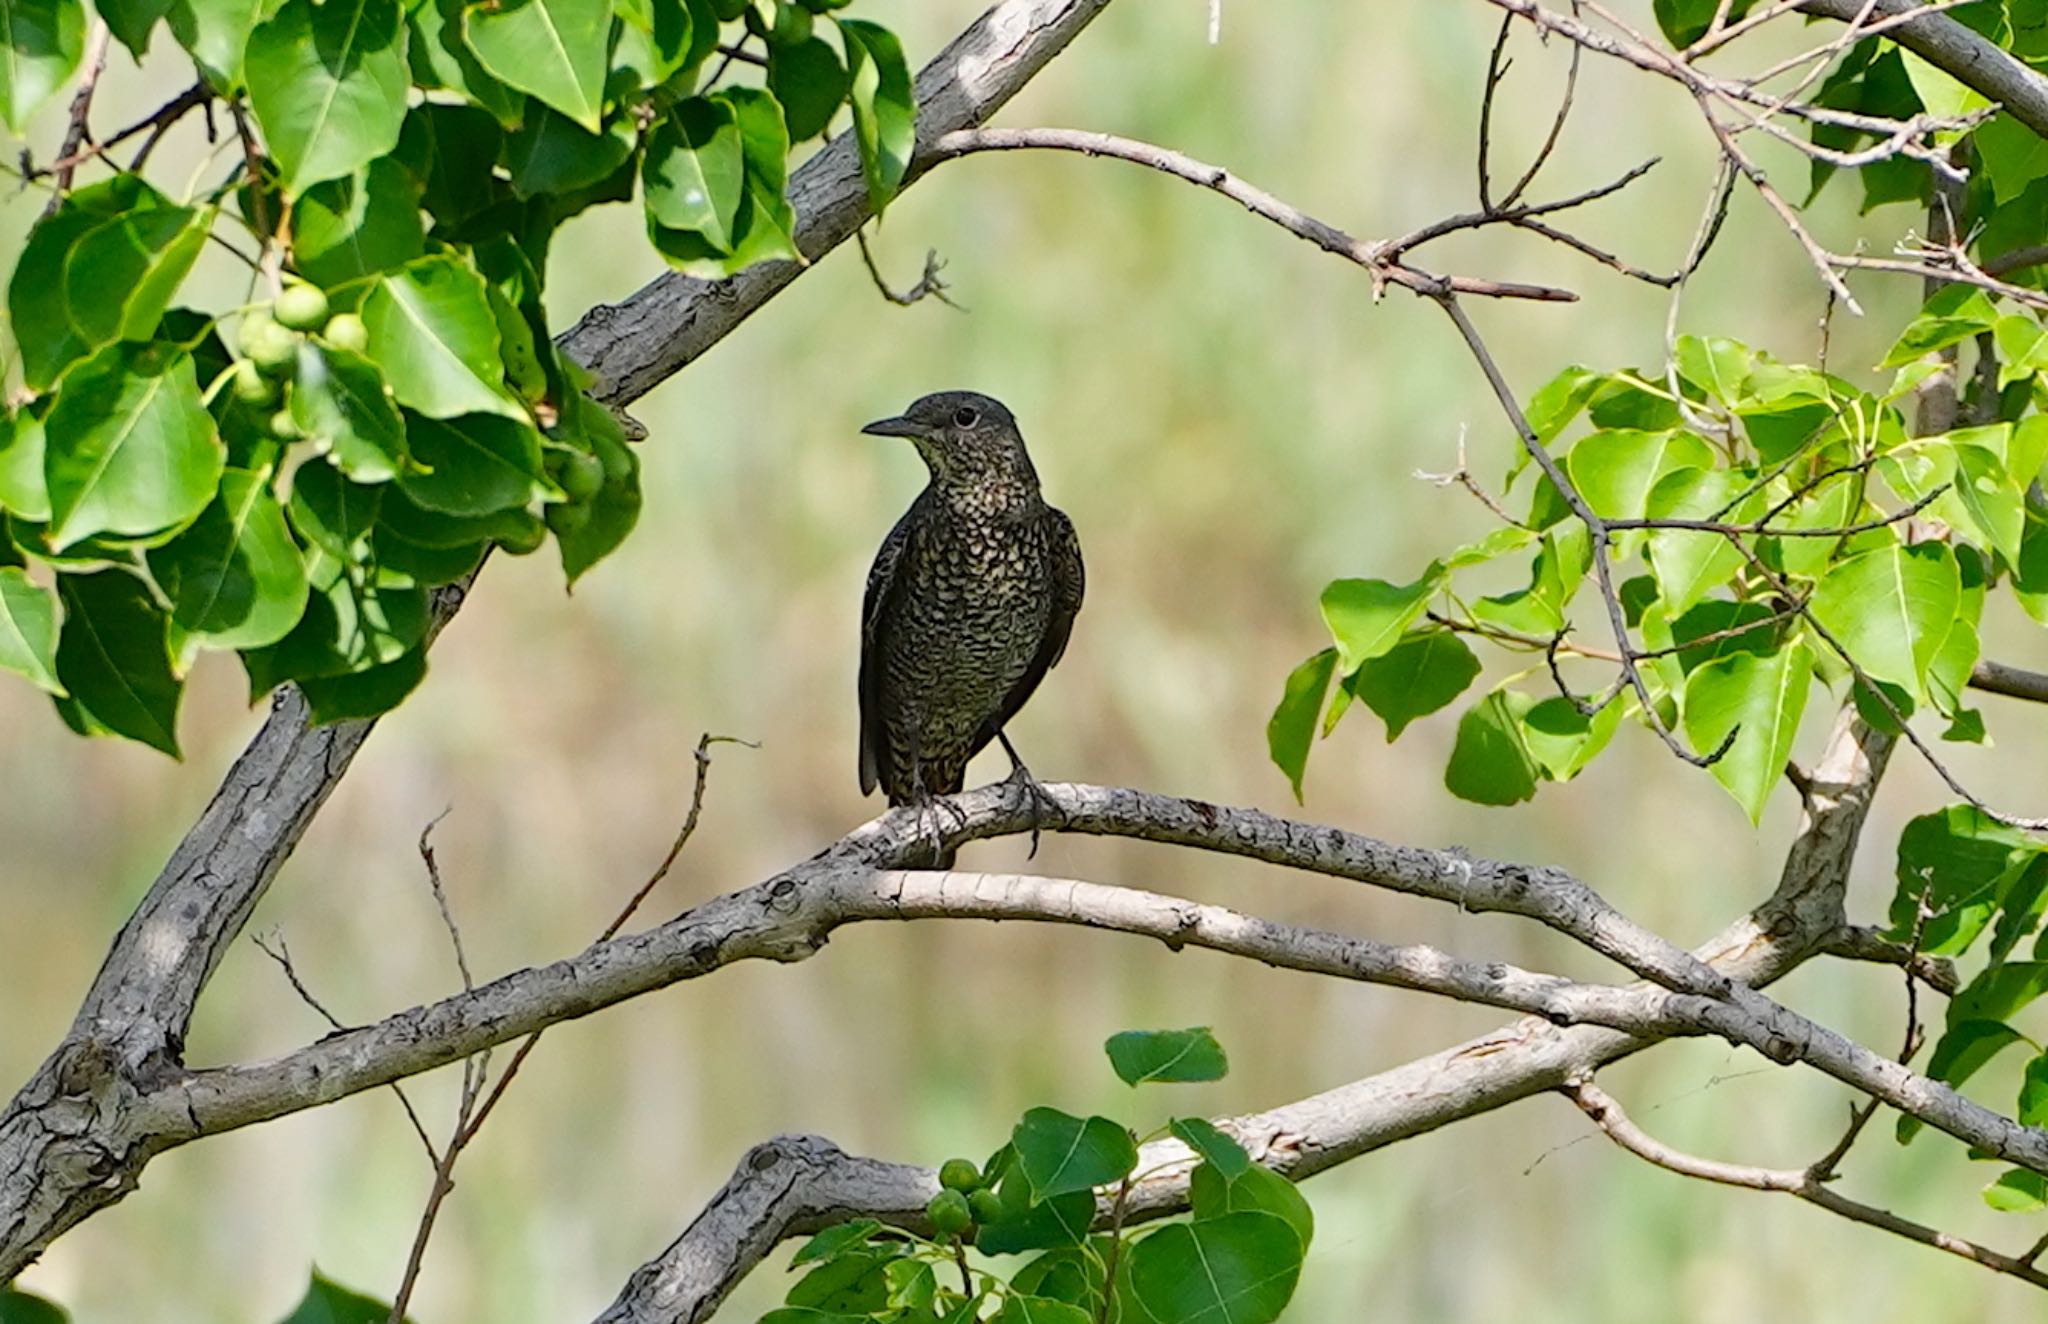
{"x":1231,"y":420}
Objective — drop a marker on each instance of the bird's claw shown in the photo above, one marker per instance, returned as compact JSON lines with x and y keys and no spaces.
{"x":1037,"y":800}
{"x":930,"y":809}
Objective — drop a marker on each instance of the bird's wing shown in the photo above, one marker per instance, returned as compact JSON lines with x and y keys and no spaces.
{"x":1068,"y":582}
{"x":883,"y":584}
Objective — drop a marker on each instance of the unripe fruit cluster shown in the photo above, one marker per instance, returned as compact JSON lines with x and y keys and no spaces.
{"x":966,"y":1198}
{"x":269,"y":341}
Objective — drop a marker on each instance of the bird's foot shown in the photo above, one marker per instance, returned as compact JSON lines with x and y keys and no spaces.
{"x":1038,"y":801}
{"x":930,"y":811}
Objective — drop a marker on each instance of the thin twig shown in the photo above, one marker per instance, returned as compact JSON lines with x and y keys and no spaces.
{"x":928,"y":285}
{"x":1607,"y":1114}
{"x":79,"y":130}
{"x":282,"y":954}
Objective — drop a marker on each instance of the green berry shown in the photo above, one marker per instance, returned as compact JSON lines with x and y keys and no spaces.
{"x":273,"y":349}
{"x":567,"y":520}
{"x":523,"y":535}
{"x":301,"y":307}
{"x":986,"y":1206}
{"x":949,"y":1213}
{"x":346,"y":331}
{"x":959,"y":1174}
{"x":283,"y":426}
{"x":251,"y":386}
{"x":582,"y":476}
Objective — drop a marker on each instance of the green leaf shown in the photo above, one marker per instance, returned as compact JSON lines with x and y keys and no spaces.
{"x":118,"y":244}
{"x":366,"y":223}
{"x":235,"y":578}
{"x":2017,"y":1191}
{"x":340,"y":403}
{"x":656,"y":41}
{"x":449,"y":151}
{"x":1941,"y":92}
{"x":28,"y":629}
{"x":1218,"y":1150}
{"x":1562,"y":740}
{"x":1556,"y":403}
{"x":21,"y":1308}
{"x":331,"y":512}
{"x":1554,"y":579}
{"x":1690,"y":564}
{"x":114,"y":661}
{"x":766,"y":226}
{"x":1490,"y":764}
{"x":363,"y":694}
{"x":912,"y":1285}
{"x":884,"y":106}
{"x":22,"y":490}
{"x":1614,"y":470}
{"x":2022,"y":901}
{"x":439,"y":57}
{"x":1059,"y":1153}
{"x":1992,"y":502}
{"x":1891,"y":609}
{"x":1962,"y":1050}
{"x":1292,"y":728}
{"x":121,"y":274}
{"x":1686,"y":21}
{"x":694,"y":171}
{"x":327,"y":1302}
{"x":1367,"y":617}
{"x":1166,"y":1056}
{"x":833,"y":1240}
{"x":129,"y":447}
{"x":2014,"y":156}
{"x":809,"y":80}
{"x":1213,"y":1194}
{"x":554,"y":49}
{"x":1416,"y":677}
{"x":1039,"y":1310}
{"x":1060,"y":1221}
{"x":1718,"y":366}
{"x":1961,"y":862}
{"x":1951,"y":314}
{"x":131,"y":21}
{"x":475,"y":464}
{"x":328,"y":83}
{"x":41,"y":43}
{"x":1239,"y":1269}
{"x":2033,"y":1109}
{"x":551,"y":153}
{"x":433,"y":333}
{"x":216,"y":34}
{"x":1761,"y":700}
{"x":854,"y":1283}
{"x":1718,"y":617}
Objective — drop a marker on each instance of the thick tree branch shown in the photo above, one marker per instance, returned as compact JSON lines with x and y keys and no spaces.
{"x":129,"y":1033}
{"x":1525,"y":1058}
{"x":786,"y":1187}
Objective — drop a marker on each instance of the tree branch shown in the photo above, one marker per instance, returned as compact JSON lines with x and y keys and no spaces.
{"x":786,"y":1187}
{"x":1607,"y":1114}
{"x":129,"y":1033}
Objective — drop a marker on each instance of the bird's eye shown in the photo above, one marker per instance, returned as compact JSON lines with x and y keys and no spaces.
{"x":966,"y":416}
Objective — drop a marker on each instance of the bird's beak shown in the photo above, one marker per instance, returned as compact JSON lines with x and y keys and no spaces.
{"x":893,"y":427}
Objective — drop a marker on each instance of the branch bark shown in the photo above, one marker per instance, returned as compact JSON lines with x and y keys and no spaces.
{"x":56,"y":1163}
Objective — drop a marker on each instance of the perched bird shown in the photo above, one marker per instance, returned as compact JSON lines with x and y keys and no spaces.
{"x":969,"y":603}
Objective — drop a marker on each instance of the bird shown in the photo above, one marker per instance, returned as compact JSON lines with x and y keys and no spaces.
{"x":970,"y":602}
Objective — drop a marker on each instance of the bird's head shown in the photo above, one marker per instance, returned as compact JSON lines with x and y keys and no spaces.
{"x":967,"y":439}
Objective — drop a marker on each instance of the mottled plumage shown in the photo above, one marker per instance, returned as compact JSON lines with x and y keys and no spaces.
{"x":969,"y":604}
